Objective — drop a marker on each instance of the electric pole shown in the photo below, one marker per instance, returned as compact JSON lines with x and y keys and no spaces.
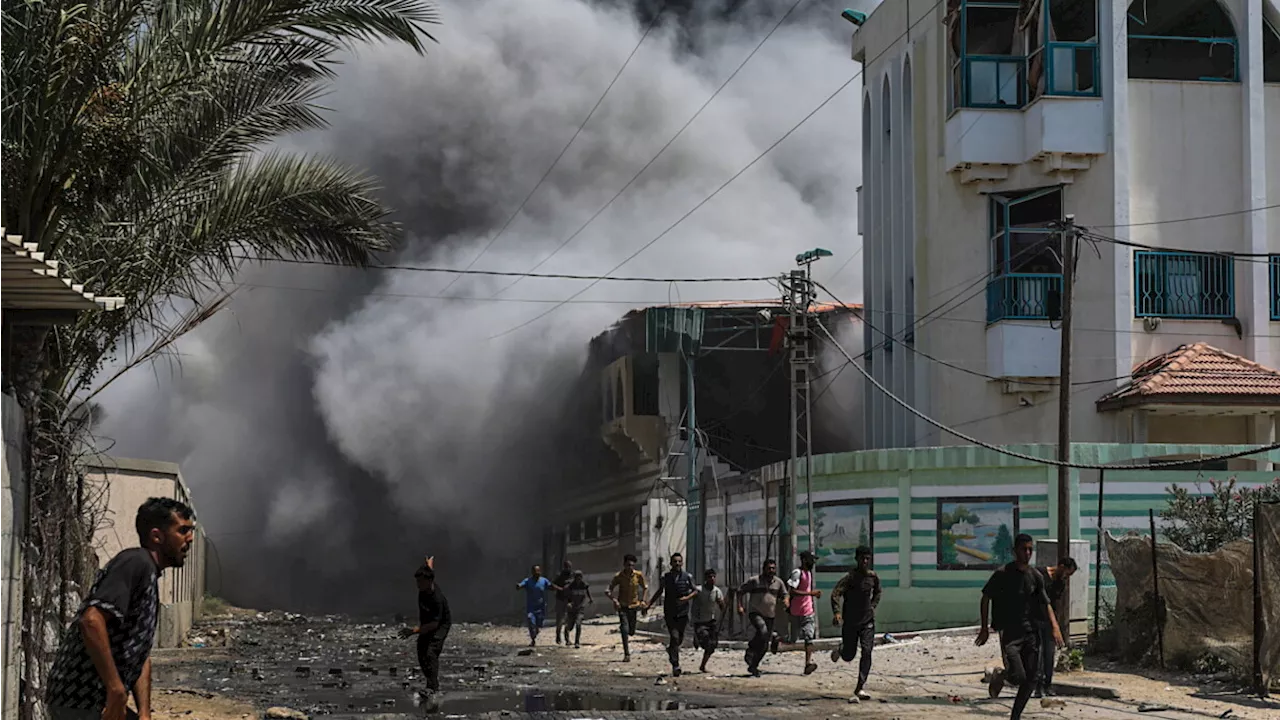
{"x":693,"y":539}
{"x":1064,"y":420}
{"x":800,"y":297}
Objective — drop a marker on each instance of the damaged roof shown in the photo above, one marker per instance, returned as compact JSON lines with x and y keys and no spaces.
{"x":30,"y":282}
{"x":1197,"y":374}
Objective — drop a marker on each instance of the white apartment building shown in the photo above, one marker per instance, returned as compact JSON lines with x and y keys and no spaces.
{"x":1158,"y":123}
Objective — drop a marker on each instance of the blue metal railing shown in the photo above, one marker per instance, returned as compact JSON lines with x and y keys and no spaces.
{"x":1183,"y":285}
{"x":1025,"y":296}
{"x":1063,"y":63}
{"x":1273,"y":265}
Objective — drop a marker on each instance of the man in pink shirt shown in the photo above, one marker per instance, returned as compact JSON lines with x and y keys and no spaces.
{"x":803,"y":615}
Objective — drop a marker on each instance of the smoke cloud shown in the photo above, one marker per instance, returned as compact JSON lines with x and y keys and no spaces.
{"x":336,"y":425}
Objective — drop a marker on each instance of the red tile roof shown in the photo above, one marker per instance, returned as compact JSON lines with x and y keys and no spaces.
{"x":1197,"y":374}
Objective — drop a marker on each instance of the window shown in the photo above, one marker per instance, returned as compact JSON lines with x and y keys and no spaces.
{"x":608,"y":398}
{"x":1273,"y":267}
{"x":608,"y":524}
{"x":1062,"y":47}
{"x":1183,"y":285}
{"x":619,"y":398}
{"x":1270,"y":52}
{"x":1182,"y":41}
{"x":1027,"y":268}
{"x":591,"y":531}
{"x":575,"y":532}
{"x":644,"y":384}
{"x":988,"y":68}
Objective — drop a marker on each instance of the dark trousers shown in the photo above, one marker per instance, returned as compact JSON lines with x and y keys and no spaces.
{"x":562,"y":612}
{"x":573,"y":621}
{"x":429,"y":649}
{"x":675,"y":638}
{"x":1021,"y":653}
{"x":854,"y":638}
{"x":759,"y":643}
{"x":627,"y":627}
{"x":1047,"y":663}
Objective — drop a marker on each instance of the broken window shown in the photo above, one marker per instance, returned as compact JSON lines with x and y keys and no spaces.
{"x":608,"y":524}
{"x":1270,"y":52}
{"x":987,"y":65}
{"x":591,"y":528}
{"x":1062,"y":47}
{"x":619,"y":398}
{"x":644,"y":384}
{"x":575,"y":532}
{"x":1027,"y":269}
{"x":1182,"y":41}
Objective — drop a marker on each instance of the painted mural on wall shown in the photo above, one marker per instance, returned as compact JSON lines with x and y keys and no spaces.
{"x":841,"y":526}
{"x":976,"y":533}
{"x":713,"y":542}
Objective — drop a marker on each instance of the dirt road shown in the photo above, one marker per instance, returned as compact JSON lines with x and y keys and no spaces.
{"x":333,"y":667}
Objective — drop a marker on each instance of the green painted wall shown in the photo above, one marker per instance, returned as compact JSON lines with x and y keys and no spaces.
{"x":904,"y":487}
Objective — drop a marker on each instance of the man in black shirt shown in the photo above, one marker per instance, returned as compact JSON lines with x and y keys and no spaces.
{"x":106,"y":653}
{"x":1056,"y":578}
{"x":434,"y":622}
{"x":677,"y":589}
{"x":853,"y":607}
{"x":560,"y":584}
{"x":1017,"y":592}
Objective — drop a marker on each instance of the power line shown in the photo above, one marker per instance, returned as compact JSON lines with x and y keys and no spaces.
{"x":498,"y":273}
{"x":654,"y":159}
{"x":493,"y":239}
{"x":457,"y":298}
{"x":1023,"y":456}
{"x":1250,"y":257}
{"x":1194,"y":218}
{"x":735,"y":176}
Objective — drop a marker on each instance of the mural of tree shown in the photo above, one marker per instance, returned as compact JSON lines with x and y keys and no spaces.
{"x":1002,"y":549}
{"x":864,"y":540}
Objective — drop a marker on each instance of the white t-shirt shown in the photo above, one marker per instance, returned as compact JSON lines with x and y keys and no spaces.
{"x":706,"y":604}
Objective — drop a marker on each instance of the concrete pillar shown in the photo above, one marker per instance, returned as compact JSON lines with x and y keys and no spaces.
{"x":904,"y":530}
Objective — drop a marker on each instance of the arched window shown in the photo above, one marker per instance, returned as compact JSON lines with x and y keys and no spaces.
{"x":619,"y":399}
{"x":1270,"y":52}
{"x":1182,"y":41}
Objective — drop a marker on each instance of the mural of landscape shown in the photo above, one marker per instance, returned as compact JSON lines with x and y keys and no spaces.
{"x":841,"y":527}
{"x":976,"y":533}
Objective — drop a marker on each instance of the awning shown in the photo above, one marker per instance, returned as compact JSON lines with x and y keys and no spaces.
{"x":30,"y":282}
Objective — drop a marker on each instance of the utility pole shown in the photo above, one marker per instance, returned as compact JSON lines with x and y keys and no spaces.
{"x":1064,"y":419}
{"x":800,"y":297}
{"x":693,"y":530}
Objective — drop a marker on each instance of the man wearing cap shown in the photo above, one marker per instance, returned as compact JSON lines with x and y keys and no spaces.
{"x":853,"y":603}
{"x":803,"y":612}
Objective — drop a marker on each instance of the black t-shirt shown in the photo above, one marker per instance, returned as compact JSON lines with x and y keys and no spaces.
{"x":434,"y":607}
{"x":1054,"y":587}
{"x":676,"y":585}
{"x":126,"y":592}
{"x":562,"y":581}
{"x":1018,"y":599}
{"x":577,"y":594}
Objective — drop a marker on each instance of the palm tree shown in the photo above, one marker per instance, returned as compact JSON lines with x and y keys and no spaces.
{"x":136,"y":150}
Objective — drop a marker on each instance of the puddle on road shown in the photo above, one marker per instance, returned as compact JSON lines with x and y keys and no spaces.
{"x":555,"y":701}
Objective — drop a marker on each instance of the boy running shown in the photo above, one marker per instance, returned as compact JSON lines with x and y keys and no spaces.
{"x":707,"y":608}
{"x":579,"y":595}
{"x":853,"y":605}
{"x":627,"y":590}
{"x":803,"y":613}
{"x":535,"y":601}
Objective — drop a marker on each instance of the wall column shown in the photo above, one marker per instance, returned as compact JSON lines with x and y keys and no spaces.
{"x":1254,"y":136}
{"x":904,"y":530}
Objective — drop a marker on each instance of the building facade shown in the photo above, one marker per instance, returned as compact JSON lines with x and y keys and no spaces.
{"x":985,"y":124}
{"x":127,"y":483}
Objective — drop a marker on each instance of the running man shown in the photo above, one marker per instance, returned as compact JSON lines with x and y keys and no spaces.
{"x":1017,"y":592}
{"x":627,"y":590}
{"x":677,"y":588}
{"x":762,"y":592}
{"x":535,"y":601}
{"x":853,"y":608}
{"x":707,"y":608}
{"x":1056,"y":578}
{"x":105,"y":654}
{"x":560,"y":585}
{"x":803,"y":612}
{"x":579,"y":594}
{"x":434,"y":622}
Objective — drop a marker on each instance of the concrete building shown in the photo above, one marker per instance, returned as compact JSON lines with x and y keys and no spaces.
{"x":631,"y":495}
{"x":984,"y":124}
{"x":127,"y":483}
{"x":35,"y":295}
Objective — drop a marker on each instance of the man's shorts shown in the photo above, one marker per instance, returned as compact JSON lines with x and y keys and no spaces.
{"x":706,"y":635}
{"x":804,"y":628}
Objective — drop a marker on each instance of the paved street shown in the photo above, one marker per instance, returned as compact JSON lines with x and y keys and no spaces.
{"x":331,"y":667}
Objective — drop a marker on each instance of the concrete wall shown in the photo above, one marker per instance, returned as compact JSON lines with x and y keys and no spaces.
{"x":904,"y":487}
{"x":128,"y":483}
{"x":14,"y":496}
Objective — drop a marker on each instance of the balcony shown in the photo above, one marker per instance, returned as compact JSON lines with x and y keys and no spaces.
{"x":1187,"y":286}
{"x":1025,"y":296}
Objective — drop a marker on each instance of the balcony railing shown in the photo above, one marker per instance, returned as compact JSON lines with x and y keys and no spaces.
{"x":1184,"y":285}
{"x":1273,"y":265}
{"x":1025,"y":296}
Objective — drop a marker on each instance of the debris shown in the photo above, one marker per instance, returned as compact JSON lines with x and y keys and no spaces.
{"x":544,"y":671}
{"x":303,"y":671}
{"x":525,"y":652}
{"x":1052,"y":703}
{"x":1153,"y":707}
{"x":284,"y":713}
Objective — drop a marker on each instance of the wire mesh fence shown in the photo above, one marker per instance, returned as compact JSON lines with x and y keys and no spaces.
{"x":1266,"y":586}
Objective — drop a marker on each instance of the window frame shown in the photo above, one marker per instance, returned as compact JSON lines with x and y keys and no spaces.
{"x":1273,"y":285}
{"x":1233,"y":42}
{"x":1000,"y":231}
